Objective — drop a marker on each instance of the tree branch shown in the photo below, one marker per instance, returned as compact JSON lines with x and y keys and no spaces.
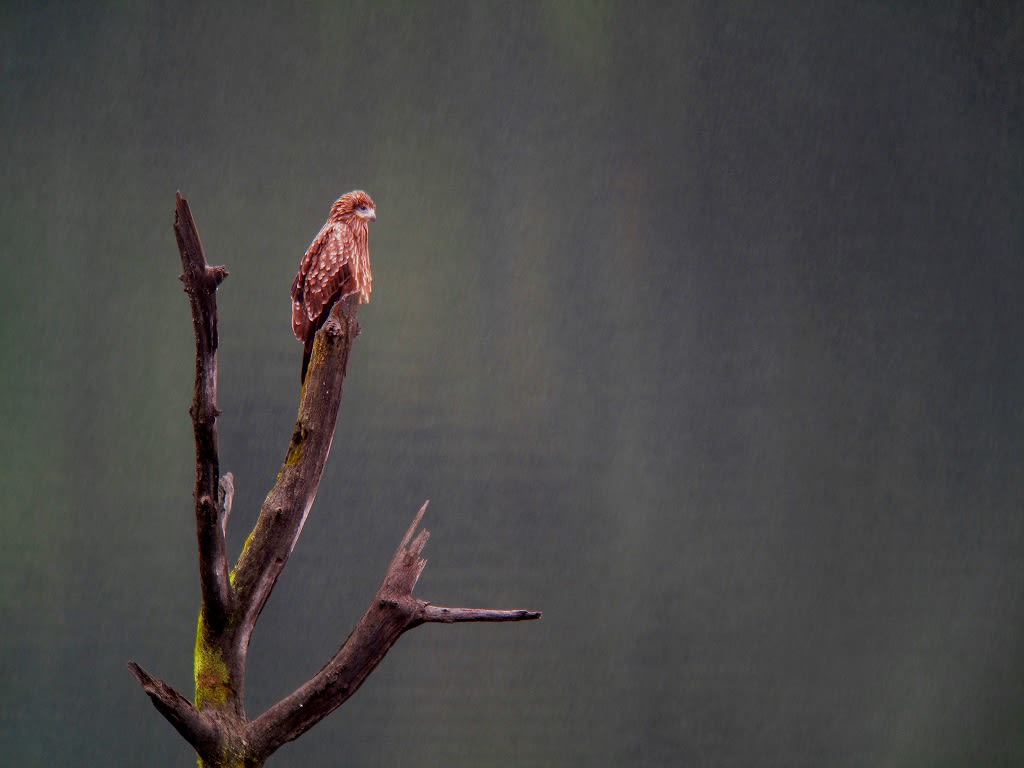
{"x":285,"y":509}
{"x":201,"y":282}
{"x":197,"y":729}
{"x":392,"y":612}
{"x":442,"y":615}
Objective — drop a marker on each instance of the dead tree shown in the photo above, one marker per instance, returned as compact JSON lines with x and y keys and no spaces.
{"x":216,"y":724}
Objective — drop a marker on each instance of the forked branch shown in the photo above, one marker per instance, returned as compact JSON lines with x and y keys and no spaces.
{"x":217,"y":726}
{"x":392,"y":612}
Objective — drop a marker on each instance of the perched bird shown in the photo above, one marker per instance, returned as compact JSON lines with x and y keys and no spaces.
{"x":336,"y":265}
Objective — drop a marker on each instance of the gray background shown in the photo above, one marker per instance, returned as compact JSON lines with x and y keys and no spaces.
{"x":700,"y":325}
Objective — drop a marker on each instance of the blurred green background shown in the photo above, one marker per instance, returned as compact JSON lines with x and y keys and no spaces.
{"x":699,"y":324}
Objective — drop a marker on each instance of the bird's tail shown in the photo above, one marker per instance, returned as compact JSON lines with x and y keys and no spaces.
{"x":306,"y":352}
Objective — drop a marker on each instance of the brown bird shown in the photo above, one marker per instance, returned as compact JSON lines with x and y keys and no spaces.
{"x":336,"y":265}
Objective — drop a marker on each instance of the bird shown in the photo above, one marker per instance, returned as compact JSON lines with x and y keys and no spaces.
{"x":336,"y":265}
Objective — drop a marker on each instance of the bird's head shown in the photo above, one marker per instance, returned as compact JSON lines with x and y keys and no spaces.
{"x":357,"y":203}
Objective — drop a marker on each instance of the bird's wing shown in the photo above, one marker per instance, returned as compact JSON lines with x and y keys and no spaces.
{"x":298,"y":314}
{"x":325,"y":271}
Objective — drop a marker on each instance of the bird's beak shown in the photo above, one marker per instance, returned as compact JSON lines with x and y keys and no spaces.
{"x":371,"y":214}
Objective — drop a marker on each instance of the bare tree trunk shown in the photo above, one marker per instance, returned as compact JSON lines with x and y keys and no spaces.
{"x":216,"y":725}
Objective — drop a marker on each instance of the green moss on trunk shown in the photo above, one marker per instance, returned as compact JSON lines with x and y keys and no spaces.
{"x":213,"y":680}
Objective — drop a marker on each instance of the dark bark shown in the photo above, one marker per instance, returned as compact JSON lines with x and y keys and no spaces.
{"x":201,"y":283}
{"x":392,"y":612}
{"x":289,"y":501}
{"x":217,"y":726}
{"x":196,"y":728}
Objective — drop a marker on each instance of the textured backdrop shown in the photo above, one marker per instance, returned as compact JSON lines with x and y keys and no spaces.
{"x":700,"y":327}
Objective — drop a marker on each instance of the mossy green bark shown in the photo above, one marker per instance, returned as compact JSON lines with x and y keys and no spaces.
{"x":213,"y":680}
{"x":294,"y":454}
{"x":228,"y":761}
